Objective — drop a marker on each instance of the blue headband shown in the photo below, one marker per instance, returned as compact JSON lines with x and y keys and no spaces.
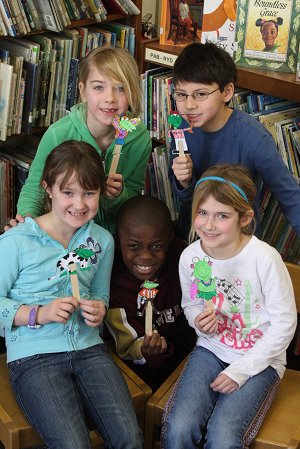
{"x":218,"y":178}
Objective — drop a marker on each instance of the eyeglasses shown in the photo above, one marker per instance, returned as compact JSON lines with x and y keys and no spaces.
{"x":197,"y":96}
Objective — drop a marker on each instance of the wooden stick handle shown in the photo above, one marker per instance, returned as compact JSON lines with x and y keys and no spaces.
{"x":115,"y":159}
{"x":74,"y":281}
{"x":181,"y":148}
{"x":148,"y":318}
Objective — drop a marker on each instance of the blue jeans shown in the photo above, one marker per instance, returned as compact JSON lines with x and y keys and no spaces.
{"x":53,"y":390}
{"x":225,"y":421}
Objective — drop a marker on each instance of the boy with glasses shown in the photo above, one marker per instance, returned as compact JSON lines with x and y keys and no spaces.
{"x":204,"y":79}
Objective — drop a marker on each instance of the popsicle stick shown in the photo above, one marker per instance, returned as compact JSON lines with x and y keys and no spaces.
{"x":181,"y":148}
{"x":74,"y":281}
{"x":210,"y":305}
{"x":115,"y":159}
{"x":148,"y":318}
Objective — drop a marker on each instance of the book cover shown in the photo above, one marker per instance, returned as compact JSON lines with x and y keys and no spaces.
{"x":267,"y":37}
{"x":177,"y":25}
{"x":6,"y":73}
{"x":218,"y":24}
{"x":131,"y":7}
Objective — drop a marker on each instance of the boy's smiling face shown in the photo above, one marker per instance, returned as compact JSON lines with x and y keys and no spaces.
{"x":210,"y":114}
{"x":144,"y":248}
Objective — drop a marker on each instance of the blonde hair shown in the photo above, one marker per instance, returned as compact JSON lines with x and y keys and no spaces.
{"x":120,"y":67}
{"x":226,"y":193}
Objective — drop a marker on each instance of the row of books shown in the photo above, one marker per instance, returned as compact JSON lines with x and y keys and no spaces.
{"x":157,"y":87}
{"x":158,"y":183}
{"x":20,"y":17}
{"x":15,"y":161}
{"x":39,"y":74}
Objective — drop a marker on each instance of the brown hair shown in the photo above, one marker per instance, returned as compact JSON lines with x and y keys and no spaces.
{"x":225,"y":193}
{"x":120,"y":67}
{"x":75,"y":158}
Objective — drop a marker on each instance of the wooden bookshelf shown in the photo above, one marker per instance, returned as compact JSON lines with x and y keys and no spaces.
{"x":280,"y":84}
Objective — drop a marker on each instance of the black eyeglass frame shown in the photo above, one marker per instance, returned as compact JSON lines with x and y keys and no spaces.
{"x":204,"y":95}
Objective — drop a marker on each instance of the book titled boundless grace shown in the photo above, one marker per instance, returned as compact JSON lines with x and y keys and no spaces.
{"x":267,"y":34}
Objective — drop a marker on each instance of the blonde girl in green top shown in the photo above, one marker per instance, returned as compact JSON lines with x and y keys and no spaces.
{"x":109,"y":85}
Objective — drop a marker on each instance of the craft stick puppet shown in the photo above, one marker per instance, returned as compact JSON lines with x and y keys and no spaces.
{"x":146,"y":297}
{"x":74,"y":281}
{"x":123,"y":125}
{"x":175,"y":121}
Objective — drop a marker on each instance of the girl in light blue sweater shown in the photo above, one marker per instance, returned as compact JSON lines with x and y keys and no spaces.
{"x":59,"y":366}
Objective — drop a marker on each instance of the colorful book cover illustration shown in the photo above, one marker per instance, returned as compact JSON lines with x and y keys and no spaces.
{"x":179,"y":23}
{"x":268,"y":36}
{"x":218,"y":26}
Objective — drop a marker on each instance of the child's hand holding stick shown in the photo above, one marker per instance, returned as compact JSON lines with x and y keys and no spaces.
{"x":123,"y":125}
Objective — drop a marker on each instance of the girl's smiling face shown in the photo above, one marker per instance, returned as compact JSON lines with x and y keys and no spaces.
{"x":219,"y":228}
{"x":104,"y":99}
{"x":72,"y":206}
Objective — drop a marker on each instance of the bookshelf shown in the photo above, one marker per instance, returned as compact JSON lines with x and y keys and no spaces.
{"x":280,"y":84}
{"x":49,"y":82}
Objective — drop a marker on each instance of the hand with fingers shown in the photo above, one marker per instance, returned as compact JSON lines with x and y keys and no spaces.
{"x":206,"y":322}
{"x":59,"y":310}
{"x":183,"y":170}
{"x":224,"y":384}
{"x":92,"y":311}
{"x":154,"y":344}
{"x":15,"y":221}
{"x":114,"y":185}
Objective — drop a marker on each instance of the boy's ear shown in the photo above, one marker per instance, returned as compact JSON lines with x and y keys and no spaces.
{"x":228,"y":92}
{"x":247,"y":218}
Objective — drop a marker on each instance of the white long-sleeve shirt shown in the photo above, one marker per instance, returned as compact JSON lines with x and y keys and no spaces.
{"x":254,"y":301}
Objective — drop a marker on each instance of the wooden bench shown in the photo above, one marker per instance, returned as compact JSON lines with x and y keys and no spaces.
{"x":281,"y":426}
{"x":17,"y":433}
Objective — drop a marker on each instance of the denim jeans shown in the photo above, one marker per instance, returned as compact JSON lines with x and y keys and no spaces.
{"x":225,"y":421}
{"x":54,"y":389}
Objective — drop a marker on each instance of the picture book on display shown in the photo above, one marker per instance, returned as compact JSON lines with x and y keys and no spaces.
{"x":267,"y":34}
{"x":179,"y":24}
{"x":218,"y":25}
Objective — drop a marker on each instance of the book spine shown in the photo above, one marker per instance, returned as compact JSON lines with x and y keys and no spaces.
{"x":58,"y":6}
{"x":34,"y":14}
{"x":20,"y":106}
{"x":3,"y":29}
{"x":7,"y":18}
{"x":28,"y":15}
{"x":18,"y":16}
{"x":75,"y":10}
{"x":65,"y":12}
{"x":24,"y":18}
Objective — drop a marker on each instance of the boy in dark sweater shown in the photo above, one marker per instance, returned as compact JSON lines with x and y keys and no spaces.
{"x":147,"y":250}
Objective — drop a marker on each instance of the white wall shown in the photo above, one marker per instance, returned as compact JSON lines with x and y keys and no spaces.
{"x":152,"y":6}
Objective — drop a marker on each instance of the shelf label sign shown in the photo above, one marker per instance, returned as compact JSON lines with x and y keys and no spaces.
{"x":160,"y":57}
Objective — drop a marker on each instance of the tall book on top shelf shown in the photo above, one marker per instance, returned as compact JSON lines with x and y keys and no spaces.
{"x":218,"y":24}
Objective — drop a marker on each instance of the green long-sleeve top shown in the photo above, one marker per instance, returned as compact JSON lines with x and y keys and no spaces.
{"x":132,"y":165}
